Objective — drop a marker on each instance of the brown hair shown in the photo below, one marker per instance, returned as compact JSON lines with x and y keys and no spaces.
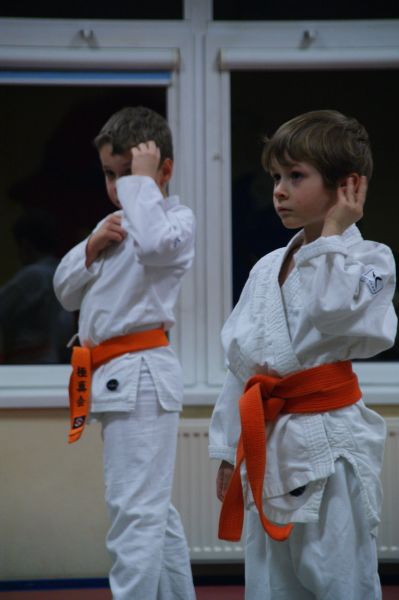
{"x":336,"y":145}
{"x":133,"y":125}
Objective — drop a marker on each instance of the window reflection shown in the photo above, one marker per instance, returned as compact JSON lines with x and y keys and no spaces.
{"x":92,"y":9}
{"x":291,"y":10}
{"x":34,"y":327}
{"x":260,"y":102}
{"x":52,"y":195}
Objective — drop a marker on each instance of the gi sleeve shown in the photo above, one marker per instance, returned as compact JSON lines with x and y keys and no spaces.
{"x":163,"y":231}
{"x":72,"y":276}
{"x":225,"y":427}
{"x":349,"y":290}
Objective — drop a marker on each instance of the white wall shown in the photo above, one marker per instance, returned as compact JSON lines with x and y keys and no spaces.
{"x":53,"y":518}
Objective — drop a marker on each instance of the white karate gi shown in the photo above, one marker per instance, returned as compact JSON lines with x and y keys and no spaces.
{"x":133,"y":286}
{"x":335,"y":305}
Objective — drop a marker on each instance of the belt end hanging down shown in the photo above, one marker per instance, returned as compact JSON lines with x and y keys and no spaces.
{"x":79,"y":392}
{"x":76,"y":430}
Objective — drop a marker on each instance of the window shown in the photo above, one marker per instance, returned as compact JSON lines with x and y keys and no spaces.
{"x":52,"y":194}
{"x":90,"y":9}
{"x":260,"y":102}
{"x":290,"y":10}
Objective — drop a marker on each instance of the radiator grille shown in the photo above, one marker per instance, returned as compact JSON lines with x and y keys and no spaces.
{"x":388,"y":538}
{"x":195,"y":498}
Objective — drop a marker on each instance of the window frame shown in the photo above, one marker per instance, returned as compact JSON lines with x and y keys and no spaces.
{"x":284,"y":46}
{"x":198,"y":101}
{"x":30,"y":47}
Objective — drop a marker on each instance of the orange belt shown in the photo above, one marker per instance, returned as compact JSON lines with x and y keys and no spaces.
{"x":320,"y":389}
{"x":85,"y":360}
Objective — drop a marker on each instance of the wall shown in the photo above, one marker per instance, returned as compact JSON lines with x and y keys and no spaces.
{"x":53,"y":519}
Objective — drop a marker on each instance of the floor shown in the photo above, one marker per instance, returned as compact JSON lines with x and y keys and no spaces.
{"x":390,"y":592}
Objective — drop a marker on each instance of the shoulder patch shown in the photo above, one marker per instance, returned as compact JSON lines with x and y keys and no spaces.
{"x":373,"y":281}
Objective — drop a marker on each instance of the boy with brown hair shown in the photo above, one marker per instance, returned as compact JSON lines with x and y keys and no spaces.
{"x":305,"y":312}
{"x":124,"y":279}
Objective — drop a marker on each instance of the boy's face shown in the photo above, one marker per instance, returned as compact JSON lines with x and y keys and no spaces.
{"x":301,"y":198}
{"x":115,"y":166}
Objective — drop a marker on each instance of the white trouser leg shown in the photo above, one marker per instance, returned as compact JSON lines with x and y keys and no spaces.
{"x":269,"y":573}
{"x":176,"y":580}
{"x":146,"y":539}
{"x":333,"y":559}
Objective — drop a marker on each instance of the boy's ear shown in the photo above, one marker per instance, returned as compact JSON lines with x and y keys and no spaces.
{"x":355,"y":178}
{"x":166,"y":171}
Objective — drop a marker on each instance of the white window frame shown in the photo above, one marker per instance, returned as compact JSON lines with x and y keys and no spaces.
{"x":201,"y":53}
{"x":278,"y":46}
{"x":89,"y":46}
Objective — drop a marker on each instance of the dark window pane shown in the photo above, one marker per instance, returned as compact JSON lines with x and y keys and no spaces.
{"x":52,"y":194}
{"x":291,"y":10}
{"x":90,"y":9}
{"x":260,"y":102}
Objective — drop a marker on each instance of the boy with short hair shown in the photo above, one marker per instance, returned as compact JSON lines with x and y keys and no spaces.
{"x":305,"y":312}
{"x":125,"y":279}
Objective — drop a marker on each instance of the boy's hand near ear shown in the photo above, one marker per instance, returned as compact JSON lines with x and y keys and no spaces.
{"x":348,"y":209}
{"x":110,"y":232}
{"x":145,"y":159}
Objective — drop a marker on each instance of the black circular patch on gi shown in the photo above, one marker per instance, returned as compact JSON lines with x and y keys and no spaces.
{"x":112,"y":384}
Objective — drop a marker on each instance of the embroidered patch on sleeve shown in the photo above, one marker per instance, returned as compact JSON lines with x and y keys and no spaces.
{"x":373,"y":281}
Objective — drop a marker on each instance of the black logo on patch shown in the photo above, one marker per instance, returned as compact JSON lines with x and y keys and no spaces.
{"x":78,"y":422}
{"x":112,"y":385}
{"x":373,"y":281}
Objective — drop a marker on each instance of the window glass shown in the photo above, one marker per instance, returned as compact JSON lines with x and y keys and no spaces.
{"x":260,"y":102}
{"x":91,"y":9}
{"x":52,"y":194}
{"x":291,"y":10}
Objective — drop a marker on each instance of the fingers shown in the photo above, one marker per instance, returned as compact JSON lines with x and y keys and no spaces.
{"x":146,"y":159}
{"x":149,"y":146}
{"x":362,"y":188}
{"x":354,"y":189}
{"x":352,"y":196}
{"x":146,"y":149}
{"x":220,"y":486}
{"x":113,"y":229}
{"x":223,"y":479}
{"x":110,"y":232}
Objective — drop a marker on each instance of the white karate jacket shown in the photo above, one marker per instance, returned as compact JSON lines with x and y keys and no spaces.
{"x":132,"y":286}
{"x":335,"y":305}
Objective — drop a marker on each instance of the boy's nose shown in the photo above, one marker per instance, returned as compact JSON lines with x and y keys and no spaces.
{"x":280,"y":190}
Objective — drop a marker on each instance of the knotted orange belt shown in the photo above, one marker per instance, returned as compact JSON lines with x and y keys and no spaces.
{"x":85,"y":360}
{"x":320,"y":389}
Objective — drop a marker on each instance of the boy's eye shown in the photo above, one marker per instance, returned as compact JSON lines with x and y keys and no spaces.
{"x":295,"y":175}
{"x":276,"y":177}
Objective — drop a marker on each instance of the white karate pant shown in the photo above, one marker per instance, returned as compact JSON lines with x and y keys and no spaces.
{"x":333,"y":559}
{"x":146,"y":538}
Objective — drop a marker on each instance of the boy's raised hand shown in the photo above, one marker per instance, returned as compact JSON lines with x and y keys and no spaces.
{"x":348,"y":209}
{"x":110,"y":232}
{"x":145,"y":159}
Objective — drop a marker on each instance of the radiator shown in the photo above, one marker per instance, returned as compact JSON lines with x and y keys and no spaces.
{"x":388,"y":538}
{"x":195,"y":498}
{"x":194,"y":495}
